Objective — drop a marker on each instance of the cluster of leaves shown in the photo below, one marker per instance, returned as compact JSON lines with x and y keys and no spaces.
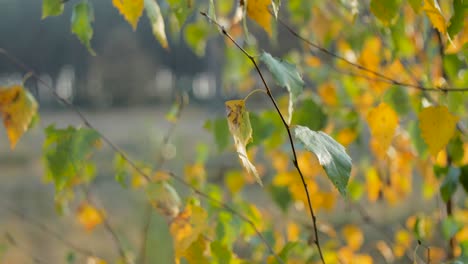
{"x":388,"y":94}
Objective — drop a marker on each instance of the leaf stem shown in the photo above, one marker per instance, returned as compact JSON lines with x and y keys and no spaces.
{"x":287,"y":127}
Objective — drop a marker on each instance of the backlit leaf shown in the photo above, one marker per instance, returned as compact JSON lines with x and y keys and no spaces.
{"x":241,"y":131}
{"x":385,"y":10}
{"x":258,"y":11}
{"x":88,"y":216}
{"x":458,"y":17}
{"x":181,"y":9}
{"x":66,"y":153}
{"x":286,"y":75}
{"x":383,"y":121}
{"x":82,"y":17}
{"x":52,"y":8}
{"x":196,"y":35}
{"x":432,"y":9}
{"x":164,"y":198}
{"x":331,"y":155}
{"x":157,"y":22}
{"x":437,"y":126}
{"x":18,"y":108}
{"x":131,"y":10}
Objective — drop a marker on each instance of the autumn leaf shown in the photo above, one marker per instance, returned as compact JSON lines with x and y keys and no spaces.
{"x":82,"y":17}
{"x":353,"y":236}
{"x":432,"y":9}
{"x":383,"y":121}
{"x":130,"y":9}
{"x":258,"y":11}
{"x":241,"y":131}
{"x":157,"y":22}
{"x":437,"y":126}
{"x":18,"y":108}
{"x":384,"y":10}
{"x":89,"y":216}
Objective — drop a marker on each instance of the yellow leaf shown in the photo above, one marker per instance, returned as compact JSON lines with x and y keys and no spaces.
{"x":293,"y":231}
{"x":89,"y":217}
{"x":383,"y":121}
{"x":432,"y":9}
{"x":437,"y":126}
{"x":241,"y":131}
{"x":17,"y":107}
{"x":353,"y":236}
{"x":130,"y":9}
{"x":374,"y":185}
{"x":346,"y":136}
{"x":327,"y":92}
{"x":258,"y":11}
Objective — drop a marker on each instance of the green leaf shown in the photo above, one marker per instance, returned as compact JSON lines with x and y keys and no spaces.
{"x":287,"y":249}
{"x":457,"y":20}
{"x":455,"y":149}
{"x":310,"y":114}
{"x":121,"y":173}
{"x":416,"y":5}
{"x":331,"y":155}
{"x":66,"y":153}
{"x":196,"y":35}
{"x":262,"y":128}
{"x":464,"y":177}
{"x":181,"y":10}
{"x":220,"y":129}
{"x":450,"y":227}
{"x":463,"y":258}
{"x":281,"y":196}
{"x":157,"y":22}
{"x":221,"y":252}
{"x":384,"y":10}
{"x":355,"y":190}
{"x":398,"y":98}
{"x":82,"y":17}
{"x":449,"y":185}
{"x":286,"y":75}
{"x":52,"y":8}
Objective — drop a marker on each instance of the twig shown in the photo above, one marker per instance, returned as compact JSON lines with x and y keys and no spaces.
{"x":363,"y":68}
{"x":286,"y":125}
{"x":130,"y":161}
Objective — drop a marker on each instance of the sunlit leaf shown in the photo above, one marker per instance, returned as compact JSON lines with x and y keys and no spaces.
{"x":17,"y":107}
{"x":241,"y":131}
{"x":157,"y":22}
{"x":131,"y":10}
{"x":385,"y":10}
{"x":286,"y":75}
{"x":89,"y":216}
{"x":52,"y":8}
{"x":331,"y":155}
{"x":164,"y":198}
{"x":383,"y":121}
{"x":432,"y":9}
{"x":258,"y":11}
{"x":437,"y":126}
{"x":66,"y":154}
{"x":82,"y":17}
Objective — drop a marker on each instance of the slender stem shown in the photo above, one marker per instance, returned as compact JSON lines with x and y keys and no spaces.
{"x":365,"y":69}
{"x":253,"y":92}
{"x":286,"y":126}
{"x":129,"y":161}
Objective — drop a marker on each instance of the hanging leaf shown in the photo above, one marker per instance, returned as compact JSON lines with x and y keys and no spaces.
{"x":52,"y":8}
{"x":331,"y":155}
{"x":286,"y":75}
{"x":164,"y":198}
{"x":241,"y":131}
{"x":437,"y":126}
{"x":18,"y":107}
{"x":82,"y":17}
{"x":181,"y":10}
{"x":258,"y":11}
{"x":88,"y":216}
{"x":383,"y":121}
{"x":157,"y":22}
{"x":432,"y":9}
{"x":131,"y":10}
{"x":384,"y":10}
{"x":66,"y":153}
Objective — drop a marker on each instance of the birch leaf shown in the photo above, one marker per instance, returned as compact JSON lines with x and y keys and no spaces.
{"x":131,"y":10}
{"x":432,"y":9}
{"x":258,"y":11}
{"x":82,"y":17}
{"x":157,"y":22}
{"x":383,"y":121}
{"x":241,"y":131}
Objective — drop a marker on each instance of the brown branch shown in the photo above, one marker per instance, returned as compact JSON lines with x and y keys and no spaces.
{"x":130,"y":161}
{"x":286,"y":126}
{"x":365,"y":69}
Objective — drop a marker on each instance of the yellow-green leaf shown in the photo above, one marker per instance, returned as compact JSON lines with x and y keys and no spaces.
{"x":131,"y":10}
{"x":383,"y":121}
{"x":432,"y":9}
{"x":241,"y":131}
{"x":52,"y":8}
{"x":82,"y":17}
{"x":157,"y":22}
{"x":384,"y":10}
{"x":437,"y":126}
{"x":258,"y":11}
{"x":18,"y":108}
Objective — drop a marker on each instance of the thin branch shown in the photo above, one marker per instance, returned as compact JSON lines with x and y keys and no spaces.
{"x":130,"y":161}
{"x":286,"y":125}
{"x":365,"y":69}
